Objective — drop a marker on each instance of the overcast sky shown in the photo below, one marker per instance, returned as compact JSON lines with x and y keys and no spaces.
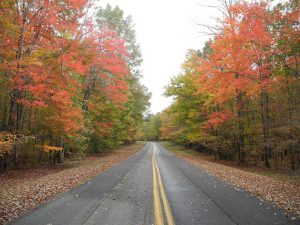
{"x":165,"y":29}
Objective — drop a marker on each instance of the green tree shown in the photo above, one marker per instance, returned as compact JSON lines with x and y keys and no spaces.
{"x":152,"y":127}
{"x":138,"y":96}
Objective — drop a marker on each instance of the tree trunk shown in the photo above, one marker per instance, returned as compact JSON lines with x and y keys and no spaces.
{"x":4,"y":117}
{"x":4,"y":162}
{"x":240,"y":137}
{"x":15,"y":154}
{"x":1,"y":164}
{"x":13,"y":110}
{"x":265,"y":122}
{"x":293,"y":159}
{"x":53,"y":153}
{"x":15,"y":94}
{"x":292,"y":115}
{"x":41,"y":156}
{"x":89,"y":90}
{"x":61,"y":155}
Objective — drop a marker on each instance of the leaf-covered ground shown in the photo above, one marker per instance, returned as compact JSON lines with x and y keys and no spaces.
{"x":23,"y":190}
{"x":281,"y":189}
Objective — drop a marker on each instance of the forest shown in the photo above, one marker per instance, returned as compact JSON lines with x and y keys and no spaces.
{"x":69,"y":81}
{"x":70,"y":84}
{"x":80,"y":142}
{"x":238,"y":97}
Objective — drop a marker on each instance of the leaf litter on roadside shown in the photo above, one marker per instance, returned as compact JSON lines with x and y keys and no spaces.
{"x":285,"y":193}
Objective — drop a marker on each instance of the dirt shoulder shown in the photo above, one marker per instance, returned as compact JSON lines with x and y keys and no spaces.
{"x":281,"y":189}
{"x":23,"y":190}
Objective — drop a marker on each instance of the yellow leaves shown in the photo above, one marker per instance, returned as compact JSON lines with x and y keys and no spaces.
{"x":194,"y":137}
{"x":5,"y":147}
{"x":6,"y":143}
{"x":48,"y":148}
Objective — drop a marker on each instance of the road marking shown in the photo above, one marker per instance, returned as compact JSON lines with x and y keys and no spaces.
{"x":166,"y":205}
{"x":158,"y":217}
{"x":165,"y":201}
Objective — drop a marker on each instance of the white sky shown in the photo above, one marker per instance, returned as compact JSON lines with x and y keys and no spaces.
{"x":165,"y":29}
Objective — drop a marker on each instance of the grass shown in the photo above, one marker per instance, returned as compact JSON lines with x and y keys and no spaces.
{"x":177,"y":149}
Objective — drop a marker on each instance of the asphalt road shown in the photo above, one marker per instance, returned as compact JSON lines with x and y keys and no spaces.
{"x":155,"y":187}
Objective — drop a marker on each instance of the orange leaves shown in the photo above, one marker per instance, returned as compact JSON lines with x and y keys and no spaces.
{"x":238,"y":65}
{"x":65,"y":115}
{"x":111,"y":70}
{"x":241,"y":52}
{"x":48,"y":148}
{"x":103,"y":129}
{"x":64,"y":71}
{"x":6,"y":147}
{"x":217,"y":118}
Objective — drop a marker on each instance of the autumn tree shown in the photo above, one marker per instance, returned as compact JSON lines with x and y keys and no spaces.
{"x":246,"y":76}
{"x":138,"y":96}
{"x":151,"y":127}
{"x":66,"y":80}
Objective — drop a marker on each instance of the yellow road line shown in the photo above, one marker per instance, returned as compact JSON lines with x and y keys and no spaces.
{"x":158,"y":217}
{"x":167,"y":209}
{"x":165,"y":201}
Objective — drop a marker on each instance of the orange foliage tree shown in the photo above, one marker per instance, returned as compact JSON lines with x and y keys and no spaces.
{"x":248,"y":74}
{"x":59,"y":72}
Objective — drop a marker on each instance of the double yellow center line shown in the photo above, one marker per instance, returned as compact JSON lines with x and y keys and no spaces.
{"x":159,"y":195}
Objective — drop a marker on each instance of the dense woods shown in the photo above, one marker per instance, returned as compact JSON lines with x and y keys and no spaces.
{"x":238,"y":97}
{"x":70,"y":84}
{"x":69,"y":81}
{"x":73,"y":107}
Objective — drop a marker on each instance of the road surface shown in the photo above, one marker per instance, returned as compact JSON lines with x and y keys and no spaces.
{"x":155,"y":187}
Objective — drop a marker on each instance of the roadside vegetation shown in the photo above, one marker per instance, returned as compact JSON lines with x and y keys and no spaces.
{"x":69,"y":82}
{"x":238,"y":97}
{"x":235,"y":110}
{"x":70,"y":88}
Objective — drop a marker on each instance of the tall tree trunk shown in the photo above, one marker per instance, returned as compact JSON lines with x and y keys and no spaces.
{"x":20,"y":117}
{"x":292,"y":110}
{"x":241,"y":137}
{"x":15,"y":94}
{"x":13,"y":110}
{"x":265,"y":122}
{"x":293,"y":158}
{"x":89,"y":91}
{"x":15,"y":153}
{"x":1,"y":164}
{"x":61,"y":154}
{"x":240,"y":103}
{"x":4,"y":116}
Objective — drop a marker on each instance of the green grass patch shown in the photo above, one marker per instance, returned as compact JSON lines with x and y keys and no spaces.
{"x":178,"y":149}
